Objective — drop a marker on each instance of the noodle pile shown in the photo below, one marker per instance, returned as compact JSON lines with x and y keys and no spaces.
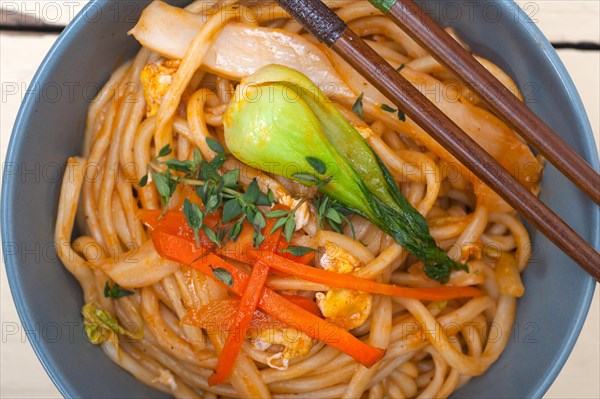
{"x":433,"y":348}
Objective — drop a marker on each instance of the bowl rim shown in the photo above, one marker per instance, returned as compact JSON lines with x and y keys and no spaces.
{"x":79,"y":22}
{"x":592,"y":157}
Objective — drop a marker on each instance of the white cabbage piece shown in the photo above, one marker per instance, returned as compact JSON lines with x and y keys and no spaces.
{"x":238,"y":50}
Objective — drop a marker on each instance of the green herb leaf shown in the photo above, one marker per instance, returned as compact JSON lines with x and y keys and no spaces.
{"x":115,"y":291}
{"x":231,"y":210}
{"x":162,"y":185}
{"x":306,"y":177}
{"x":222,"y":275}
{"x":143,"y":181}
{"x":215,"y":145}
{"x":401,"y":67}
{"x":259,"y":221}
{"x":324,"y":181}
{"x":195,"y":165}
{"x":179,"y":165}
{"x":333,"y":215}
{"x":211,"y":235}
{"x":278,"y":213}
{"x":278,"y":224}
{"x":212,"y":204}
{"x":401,"y":116}
{"x":322,"y":207}
{"x":230,"y":179}
{"x":289,"y":228}
{"x":249,"y":211}
{"x":193,"y":214}
{"x":165,"y":186}
{"x":197,"y":156}
{"x":263,"y":200}
{"x":271,"y":197}
{"x":357,"y":108}
{"x":195,"y":218}
{"x":317,"y":165}
{"x":298,"y":250}
{"x":235,"y":230}
{"x":209,"y":171}
{"x":335,"y":226}
{"x":258,"y":238}
{"x":211,"y":195}
{"x":218,"y":161}
{"x":349,"y":224}
{"x":166,"y":150}
{"x":252,"y":192}
{"x":222,"y":233}
{"x":387,"y":108}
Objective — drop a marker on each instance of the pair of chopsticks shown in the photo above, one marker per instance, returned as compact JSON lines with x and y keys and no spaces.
{"x":327,"y":27}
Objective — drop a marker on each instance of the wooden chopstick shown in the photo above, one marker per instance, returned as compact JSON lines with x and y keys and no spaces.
{"x":326,"y":26}
{"x":427,"y":33}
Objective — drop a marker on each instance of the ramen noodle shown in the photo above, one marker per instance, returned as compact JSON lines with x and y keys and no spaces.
{"x":140,"y":306}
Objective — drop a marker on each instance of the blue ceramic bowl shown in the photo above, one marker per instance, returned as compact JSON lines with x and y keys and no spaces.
{"x":49,"y":128}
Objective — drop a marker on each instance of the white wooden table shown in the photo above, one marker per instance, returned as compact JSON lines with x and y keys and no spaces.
{"x":22,"y":376}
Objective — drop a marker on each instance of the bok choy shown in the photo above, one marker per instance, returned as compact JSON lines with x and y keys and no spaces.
{"x":280,"y":122}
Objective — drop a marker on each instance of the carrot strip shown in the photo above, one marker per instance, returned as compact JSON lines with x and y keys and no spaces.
{"x":304,"y":303}
{"x":239,"y":248}
{"x":339,"y":280}
{"x":216,"y":315}
{"x":175,"y":223}
{"x":241,"y":324}
{"x":185,"y":252}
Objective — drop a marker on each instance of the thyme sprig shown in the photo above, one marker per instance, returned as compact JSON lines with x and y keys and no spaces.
{"x":218,"y":190}
{"x":285,"y":219}
{"x":333,"y":213}
{"x":215,"y":189}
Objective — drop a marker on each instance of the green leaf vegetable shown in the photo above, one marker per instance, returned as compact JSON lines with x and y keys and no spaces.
{"x":280,"y":122}
{"x":101,"y":326}
{"x":357,"y":108}
{"x":115,"y":292}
